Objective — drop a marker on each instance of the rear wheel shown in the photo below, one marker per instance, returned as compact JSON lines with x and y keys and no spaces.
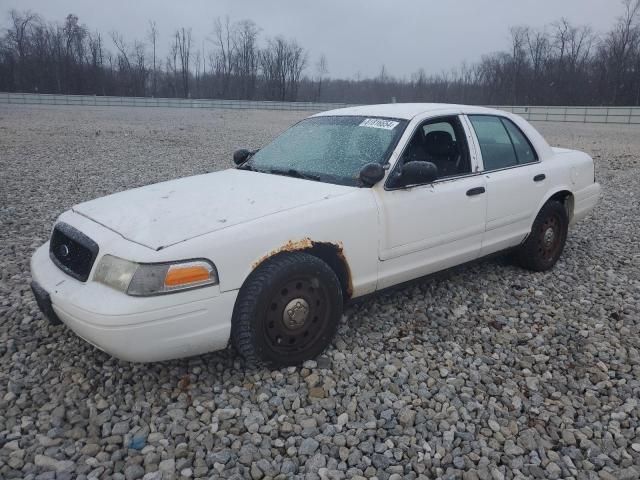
{"x":287,"y":311}
{"x":545,"y":243}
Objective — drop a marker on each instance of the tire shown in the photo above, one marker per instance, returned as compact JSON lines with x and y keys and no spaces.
{"x":544,"y":245}
{"x":287,"y":311}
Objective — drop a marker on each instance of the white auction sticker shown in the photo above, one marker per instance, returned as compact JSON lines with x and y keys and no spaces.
{"x":379,"y":123}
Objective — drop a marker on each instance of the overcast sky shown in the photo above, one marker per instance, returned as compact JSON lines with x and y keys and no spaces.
{"x":357,"y":36}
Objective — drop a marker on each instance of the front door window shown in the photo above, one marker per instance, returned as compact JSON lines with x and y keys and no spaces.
{"x":442,"y":142}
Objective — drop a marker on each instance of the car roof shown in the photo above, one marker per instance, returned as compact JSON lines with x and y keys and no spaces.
{"x":406,"y":111}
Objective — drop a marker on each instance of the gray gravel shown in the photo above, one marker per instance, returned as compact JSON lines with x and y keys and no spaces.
{"x":485,"y":372}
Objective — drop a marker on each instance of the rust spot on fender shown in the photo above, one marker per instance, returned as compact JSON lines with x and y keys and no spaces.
{"x":325,"y":250}
{"x":349,"y":283}
{"x":290,"y":246}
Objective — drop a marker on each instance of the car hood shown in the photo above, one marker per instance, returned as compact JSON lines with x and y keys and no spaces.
{"x":167,"y":213}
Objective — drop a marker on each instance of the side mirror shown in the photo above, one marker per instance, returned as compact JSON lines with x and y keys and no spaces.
{"x":416,"y":173}
{"x":241,"y":156}
{"x":371,"y":174}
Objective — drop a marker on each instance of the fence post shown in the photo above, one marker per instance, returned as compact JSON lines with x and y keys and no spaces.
{"x":585,"y":115}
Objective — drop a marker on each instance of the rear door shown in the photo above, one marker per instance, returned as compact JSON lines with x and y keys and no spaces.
{"x":515,"y":179}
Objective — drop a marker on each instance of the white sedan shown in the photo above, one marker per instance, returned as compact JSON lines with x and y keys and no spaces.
{"x":342,"y":204}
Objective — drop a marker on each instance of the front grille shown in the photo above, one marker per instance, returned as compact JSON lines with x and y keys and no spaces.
{"x":72,"y":251}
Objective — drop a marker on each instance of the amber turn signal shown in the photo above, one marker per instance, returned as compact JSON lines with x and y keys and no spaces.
{"x":185,"y":275}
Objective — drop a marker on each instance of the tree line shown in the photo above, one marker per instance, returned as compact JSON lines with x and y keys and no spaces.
{"x":559,"y":64}
{"x":69,"y":58}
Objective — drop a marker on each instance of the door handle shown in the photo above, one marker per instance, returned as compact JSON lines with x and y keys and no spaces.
{"x":539,"y":178}
{"x":475,"y":191}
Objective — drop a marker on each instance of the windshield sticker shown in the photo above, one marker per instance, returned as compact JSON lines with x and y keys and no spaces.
{"x":379,"y":123}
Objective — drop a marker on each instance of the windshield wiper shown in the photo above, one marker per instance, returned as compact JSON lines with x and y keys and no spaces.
{"x":292,"y":172}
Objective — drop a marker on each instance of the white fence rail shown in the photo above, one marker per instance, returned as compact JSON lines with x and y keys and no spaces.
{"x":617,"y":115}
{"x":100,"y":101}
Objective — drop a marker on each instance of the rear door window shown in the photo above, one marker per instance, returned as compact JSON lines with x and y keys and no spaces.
{"x":502,"y":143}
{"x":495,"y":143}
{"x":524,"y":150}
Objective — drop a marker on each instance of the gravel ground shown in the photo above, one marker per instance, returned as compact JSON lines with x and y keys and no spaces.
{"x":487,"y":371}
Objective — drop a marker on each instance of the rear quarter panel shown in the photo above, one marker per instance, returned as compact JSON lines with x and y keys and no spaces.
{"x":566,"y":170}
{"x":569,"y":170}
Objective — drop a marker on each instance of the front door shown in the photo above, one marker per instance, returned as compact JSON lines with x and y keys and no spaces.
{"x":426,"y":228}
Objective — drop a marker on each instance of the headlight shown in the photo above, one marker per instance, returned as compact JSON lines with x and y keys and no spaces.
{"x":144,"y":279}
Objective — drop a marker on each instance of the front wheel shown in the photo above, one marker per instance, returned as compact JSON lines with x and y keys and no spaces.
{"x":545,"y":243}
{"x":287,"y":311}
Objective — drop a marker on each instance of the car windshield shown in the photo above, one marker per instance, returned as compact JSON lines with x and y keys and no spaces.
{"x":330,"y":149}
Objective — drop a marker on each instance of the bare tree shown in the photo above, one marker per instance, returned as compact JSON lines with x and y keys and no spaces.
{"x":621,"y":43}
{"x":519,"y":57}
{"x":223,"y":39}
{"x":18,"y":38}
{"x":183,"y":42}
{"x":282,"y":63}
{"x":196,"y":62}
{"x":295,"y":63}
{"x":272,"y":66}
{"x":172,"y":69}
{"x":141,"y":70}
{"x":97,"y":62}
{"x":245,"y":49}
{"x":132,"y":68}
{"x":121,"y":46}
{"x":204,"y":69}
{"x":152,"y":35}
{"x":322,"y":69}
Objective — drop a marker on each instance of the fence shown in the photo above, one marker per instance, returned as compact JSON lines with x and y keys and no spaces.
{"x":615,"y":115}
{"x":99,"y":101}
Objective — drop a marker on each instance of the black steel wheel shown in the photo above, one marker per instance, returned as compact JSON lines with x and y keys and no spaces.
{"x":544,"y":245}
{"x":287,"y":311}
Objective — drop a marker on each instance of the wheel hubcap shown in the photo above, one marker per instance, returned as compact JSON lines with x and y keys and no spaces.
{"x":295,"y":313}
{"x":549,"y":241}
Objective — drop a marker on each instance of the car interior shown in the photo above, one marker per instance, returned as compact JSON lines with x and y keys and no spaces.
{"x":443,"y":143}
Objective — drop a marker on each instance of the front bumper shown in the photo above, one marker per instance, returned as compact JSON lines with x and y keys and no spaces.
{"x":136,"y":329}
{"x":43,"y":299}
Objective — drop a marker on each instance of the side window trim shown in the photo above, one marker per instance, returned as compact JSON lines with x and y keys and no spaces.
{"x":477,"y":162}
{"x":477,"y":142}
{"x":420,"y":125}
{"x":513,"y":145}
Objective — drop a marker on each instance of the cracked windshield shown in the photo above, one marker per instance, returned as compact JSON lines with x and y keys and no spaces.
{"x":329,"y":149}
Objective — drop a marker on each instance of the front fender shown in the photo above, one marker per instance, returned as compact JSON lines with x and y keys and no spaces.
{"x":349,"y":222}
